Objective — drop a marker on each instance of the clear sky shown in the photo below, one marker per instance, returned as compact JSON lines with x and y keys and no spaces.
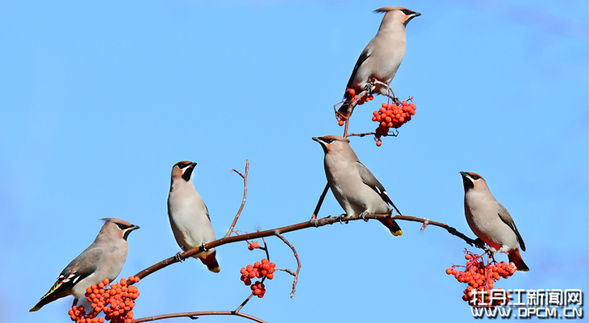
{"x":99,"y":100}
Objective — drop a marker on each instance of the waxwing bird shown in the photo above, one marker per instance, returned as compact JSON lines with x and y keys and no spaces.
{"x":353,"y":185}
{"x":490,"y":221}
{"x":104,"y":258}
{"x":382,"y":56}
{"x":189,"y":216}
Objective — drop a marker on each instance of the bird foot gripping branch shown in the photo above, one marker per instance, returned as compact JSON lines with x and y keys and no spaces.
{"x":481,"y":279}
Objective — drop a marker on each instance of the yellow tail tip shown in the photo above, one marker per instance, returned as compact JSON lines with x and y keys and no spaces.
{"x":34,"y":309}
{"x":397,"y":233}
{"x":215,"y":270}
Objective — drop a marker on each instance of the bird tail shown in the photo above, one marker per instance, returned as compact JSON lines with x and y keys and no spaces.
{"x":58,"y":290}
{"x":343,"y":110}
{"x":392,"y":226}
{"x":516,"y":258}
{"x":210,"y":261}
{"x":45,"y":300}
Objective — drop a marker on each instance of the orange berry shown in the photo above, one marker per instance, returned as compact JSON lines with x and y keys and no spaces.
{"x":378,"y":143}
{"x":340,"y":123}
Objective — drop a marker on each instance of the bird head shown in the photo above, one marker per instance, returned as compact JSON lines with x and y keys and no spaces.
{"x":121,"y":227}
{"x":183,"y":169}
{"x":473,"y":181}
{"x":398,"y":14}
{"x":331,"y":143}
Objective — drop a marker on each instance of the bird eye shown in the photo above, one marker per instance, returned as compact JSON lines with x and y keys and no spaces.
{"x":330,"y":140}
{"x":182,"y":165}
{"x":407,"y":12}
{"x":474,"y":176}
{"x":122,"y":226}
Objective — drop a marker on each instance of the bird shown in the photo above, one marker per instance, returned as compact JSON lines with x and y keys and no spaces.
{"x":381,"y":58}
{"x":189,"y":216}
{"x":354,"y":186}
{"x":103,"y":259}
{"x":490,"y":221}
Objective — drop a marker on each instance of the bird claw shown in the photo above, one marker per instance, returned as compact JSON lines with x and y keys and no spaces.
{"x":341,"y":217}
{"x":363,"y":216}
{"x":490,"y":252}
{"x":179,"y":257}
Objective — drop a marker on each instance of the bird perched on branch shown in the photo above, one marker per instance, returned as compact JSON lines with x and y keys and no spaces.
{"x":382,"y":56}
{"x":104,"y":258}
{"x":189,"y":216}
{"x":490,"y":221}
{"x":353,"y":185}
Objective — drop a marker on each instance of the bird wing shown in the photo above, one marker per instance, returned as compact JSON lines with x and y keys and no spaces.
{"x":369,"y":179}
{"x":365,"y":54}
{"x":507,"y":219}
{"x":81,"y":267}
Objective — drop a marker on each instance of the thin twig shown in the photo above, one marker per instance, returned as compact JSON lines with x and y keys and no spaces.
{"x":296,"y":274}
{"x":247,"y":167}
{"x":314,"y":216}
{"x":195,"y":315}
{"x":243,"y":303}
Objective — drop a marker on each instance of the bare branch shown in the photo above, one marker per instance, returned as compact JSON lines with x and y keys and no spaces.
{"x":247,"y":167}
{"x":294,"y":227}
{"x":296,"y":274}
{"x":195,"y":315}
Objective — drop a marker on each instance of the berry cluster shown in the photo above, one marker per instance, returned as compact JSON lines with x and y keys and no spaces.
{"x":258,"y":289}
{"x":253,"y":245}
{"x":392,"y":116}
{"x":354,"y":97}
{"x":261,"y":269}
{"x":481,"y":279}
{"x":116,"y":302}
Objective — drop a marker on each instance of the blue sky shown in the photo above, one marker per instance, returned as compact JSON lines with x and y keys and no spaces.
{"x":98,"y":101}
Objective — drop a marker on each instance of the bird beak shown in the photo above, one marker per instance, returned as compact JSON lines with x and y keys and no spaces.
{"x":463,"y":173}
{"x":134,"y":227}
{"x":417,"y":14}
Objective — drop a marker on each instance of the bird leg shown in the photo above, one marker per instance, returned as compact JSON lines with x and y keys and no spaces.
{"x":490,"y":252}
{"x":371,"y":85}
{"x":391,"y":94}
